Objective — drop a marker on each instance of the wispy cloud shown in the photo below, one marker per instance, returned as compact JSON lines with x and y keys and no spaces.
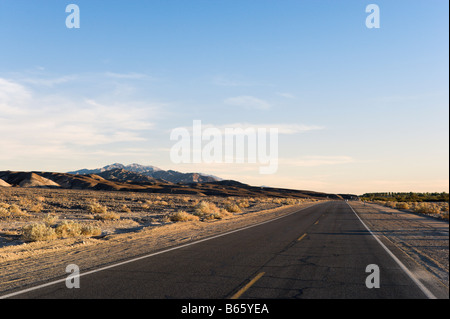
{"x":286,"y":95}
{"x":49,"y":81}
{"x":249,"y":102}
{"x":13,"y":96}
{"x":31,"y":122}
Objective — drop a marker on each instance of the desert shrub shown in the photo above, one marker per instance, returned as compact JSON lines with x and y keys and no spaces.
{"x":204,"y":208}
{"x":50,"y":219}
{"x":185,"y":199}
{"x":7,"y":210}
{"x":15,"y":210}
{"x":220,"y":214}
{"x":427,"y":208}
{"x":277,"y":201}
{"x":73,"y":229}
{"x":4,"y":212}
{"x":68,"y":229}
{"x":38,"y":232}
{"x":182,"y":216}
{"x":288,"y":201}
{"x":90,"y":230}
{"x":107,"y":216}
{"x":96,"y":208}
{"x":232,"y":208}
{"x":390,"y":204}
{"x":125,"y":209}
{"x":208,"y":211}
{"x":36,"y":208}
{"x":402,"y":205}
{"x":243,"y":203}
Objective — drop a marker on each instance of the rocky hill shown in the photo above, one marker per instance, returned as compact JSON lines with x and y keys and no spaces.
{"x":149,"y":171}
{"x":4,"y":184}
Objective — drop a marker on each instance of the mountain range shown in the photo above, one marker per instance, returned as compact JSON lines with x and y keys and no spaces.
{"x":122,"y":172}
{"x":120,"y":179}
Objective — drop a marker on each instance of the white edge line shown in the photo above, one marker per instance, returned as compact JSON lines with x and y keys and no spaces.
{"x":150,"y":255}
{"x":424,"y":289}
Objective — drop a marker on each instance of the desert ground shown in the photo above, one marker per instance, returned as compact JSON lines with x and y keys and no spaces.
{"x":44,"y":230}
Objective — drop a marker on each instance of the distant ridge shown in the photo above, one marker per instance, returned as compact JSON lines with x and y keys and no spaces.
{"x":154,"y":172}
{"x":4,"y":184}
{"x":28,"y":179}
{"x":122,"y":180}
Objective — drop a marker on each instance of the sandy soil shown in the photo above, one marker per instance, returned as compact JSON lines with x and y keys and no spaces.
{"x":23,"y":264}
{"x":424,"y":239}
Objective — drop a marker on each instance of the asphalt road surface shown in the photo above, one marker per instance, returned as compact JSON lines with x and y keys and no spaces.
{"x":318,"y":252}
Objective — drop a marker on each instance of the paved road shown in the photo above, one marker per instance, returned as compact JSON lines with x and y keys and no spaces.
{"x":317,"y":252}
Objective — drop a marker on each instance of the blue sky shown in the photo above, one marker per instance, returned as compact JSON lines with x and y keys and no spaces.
{"x":358,"y":109}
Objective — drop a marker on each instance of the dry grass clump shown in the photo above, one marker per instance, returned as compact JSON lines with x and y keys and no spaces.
{"x":207,"y":211}
{"x":11,"y":211}
{"x":107,"y":216}
{"x":402,"y":205}
{"x":125,"y":209}
{"x":243,"y":203}
{"x":96,"y":208}
{"x":4,"y":212}
{"x":50,"y":219}
{"x":36,"y":208}
{"x":67,"y":229}
{"x":232,"y":208}
{"x":161,"y":203}
{"x":391,"y":204}
{"x":438,"y":209}
{"x":101,"y":212}
{"x":427,"y":208}
{"x":182,"y":216}
{"x":38,"y":232}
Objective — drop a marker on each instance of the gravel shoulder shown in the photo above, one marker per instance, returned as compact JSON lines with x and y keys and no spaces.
{"x":424,"y":241}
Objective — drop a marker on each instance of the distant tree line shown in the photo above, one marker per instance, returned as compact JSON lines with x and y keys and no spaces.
{"x":406,"y":197}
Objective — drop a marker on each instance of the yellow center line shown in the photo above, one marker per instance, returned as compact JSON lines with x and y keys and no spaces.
{"x":245,"y":288}
{"x":303,"y":236}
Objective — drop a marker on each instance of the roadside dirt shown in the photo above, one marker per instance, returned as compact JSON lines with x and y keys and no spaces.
{"x":424,"y":239}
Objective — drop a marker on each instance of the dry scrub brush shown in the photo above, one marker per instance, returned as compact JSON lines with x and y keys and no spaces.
{"x":101,"y":212}
{"x":67,"y":229}
{"x":182,"y":216}
{"x":11,"y":211}
{"x":207,"y":211}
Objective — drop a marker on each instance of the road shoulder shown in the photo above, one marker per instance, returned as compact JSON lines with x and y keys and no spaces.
{"x":421,"y":243}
